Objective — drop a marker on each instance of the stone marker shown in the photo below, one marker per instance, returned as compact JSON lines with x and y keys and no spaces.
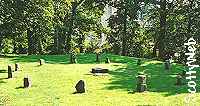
{"x":99,"y":70}
{"x":97,"y":57}
{"x":179,"y":80}
{"x":27,"y":82}
{"x":183,"y":73}
{"x":42,"y":61}
{"x":73,"y":58}
{"x":17,"y":67}
{"x":107,"y":60}
{"x":80,"y":87}
{"x":167,"y":65}
{"x":139,"y":62}
{"x":141,"y":83}
{"x":9,"y":71}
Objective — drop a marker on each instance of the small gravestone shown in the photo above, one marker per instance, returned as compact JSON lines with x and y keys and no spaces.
{"x":183,"y":73}
{"x":99,"y":70}
{"x":80,"y":87}
{"x":41,"y":61}
{"x":167,"y":65}
{"x":73,"y":58}
{"x":17,"y":67}
{"x":141,"y":83}
{"x":27,"y":82}
{"x":9,"y":71}
{"x":139,"y":62}
{"x":179,"y":80}
{"x":97,"y":57}
{"x":107,"y":60}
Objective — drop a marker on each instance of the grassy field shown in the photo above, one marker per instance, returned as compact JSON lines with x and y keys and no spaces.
{"x":53,"y":83}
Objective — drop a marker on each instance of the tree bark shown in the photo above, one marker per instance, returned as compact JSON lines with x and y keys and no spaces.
{"x":124,"y":34}
{"x":30,"y":41}
{"x":161,"y":37}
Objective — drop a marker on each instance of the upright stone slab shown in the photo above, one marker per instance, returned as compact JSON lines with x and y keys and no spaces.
{"x":167,"y":65}
{"x":80,"y":87}
{"x":27,"y":82}
{"x":41,"y":61}
{"x":107,"y":60}
{"x":139,"y":62}
{"x":97,"y":57}
{"x":73,"y":58}
{"x":9,"y":71}
{"x":183,"y":73}
{"x":141,"y":83}
{"x":17,"y":67}
{"x":179,"y":80}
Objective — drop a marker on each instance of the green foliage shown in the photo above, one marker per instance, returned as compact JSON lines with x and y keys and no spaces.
{"x":135,"y":28}
{"x":7,"y":46}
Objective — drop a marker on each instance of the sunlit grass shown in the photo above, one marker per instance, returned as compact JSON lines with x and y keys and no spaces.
{"x":53,"y":83}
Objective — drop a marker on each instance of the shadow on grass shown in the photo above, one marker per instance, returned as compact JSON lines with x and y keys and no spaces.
{"x":20,"y":87}
{"x":3,"y":71}
{"x":1,"y":80}
{"x":65,"y":59}
{"x":159,"y":79}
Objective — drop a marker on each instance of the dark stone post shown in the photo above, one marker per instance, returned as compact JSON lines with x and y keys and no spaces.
{"x":73,"y":58}
{"x":107,"y":60}
{"x":141,"y":83}
{"x":9,"y":71}
{"x":27,"y":82}
{"x":17,"y":67}
{"x":167,"y":65}
{"x":139,"y":62}
{"x":179,"y":80}
{"x":80,"y":87}
{"x":42,"y":61}
{"x":184,"y":73}
{"x":97,"y":57}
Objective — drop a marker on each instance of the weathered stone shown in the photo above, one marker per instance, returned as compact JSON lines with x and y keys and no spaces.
{"x":141,"y":83}
{"x":141,"y":87}
{"x":17,"y":67}
{"x":73,"y":58}
{"x":141,"y":79}
{"x":42,"y":61}
{"x":80,"y":87}
{"x":97,"y":57}
{"x":99,"y":70}
{"x":139,"y":62}
{"x":107,"y":60}
{"x":179,"y":80}
{"x":183,"y":73}
{"x":9,"y":71}
{"x":27,"y":82}
{"x":167,"y":65}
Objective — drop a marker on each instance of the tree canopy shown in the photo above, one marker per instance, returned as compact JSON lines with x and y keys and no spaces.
{"x":139,"y":28}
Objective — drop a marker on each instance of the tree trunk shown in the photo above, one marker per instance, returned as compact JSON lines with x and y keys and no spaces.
{"x":55,"y":38}
{"x":15,"y":45}
{"x":81,"y":41}
{"x":161,"y":37}
{"x":30,"y":42}
{"x":124,"y":34}
{"x":73,"y":14}
{"x":40,"y":46}
{"x":1,"y":41}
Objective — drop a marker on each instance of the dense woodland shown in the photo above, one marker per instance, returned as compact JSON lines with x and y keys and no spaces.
{"x":139,"y":28}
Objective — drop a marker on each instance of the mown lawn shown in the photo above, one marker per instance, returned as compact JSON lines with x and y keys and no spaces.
{"x":53,"y":83}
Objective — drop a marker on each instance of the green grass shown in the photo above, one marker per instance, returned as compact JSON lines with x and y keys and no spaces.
{"x":53,"y":83}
